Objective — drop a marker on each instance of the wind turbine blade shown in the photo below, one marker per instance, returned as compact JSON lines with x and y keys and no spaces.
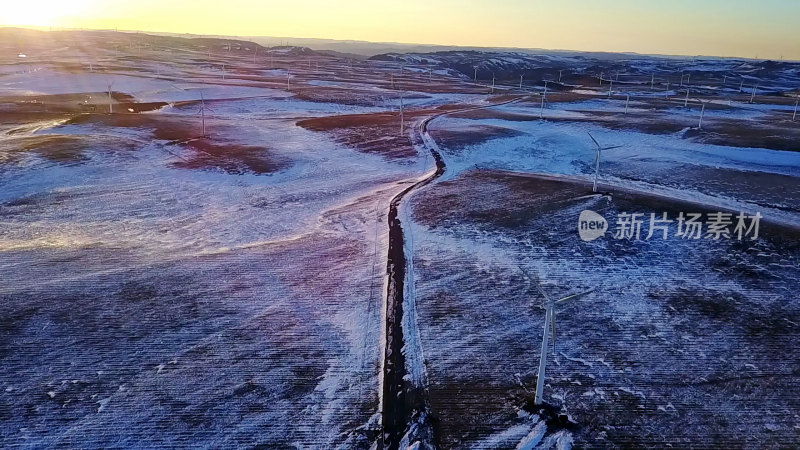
{"x":594,"y":140}
{"x":611,"y":148}
{"x":574,"y":296}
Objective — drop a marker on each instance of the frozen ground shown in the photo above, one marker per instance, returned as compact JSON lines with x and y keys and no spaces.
{"x":166,"y":287}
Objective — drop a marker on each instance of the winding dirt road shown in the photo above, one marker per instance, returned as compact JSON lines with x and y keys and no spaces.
{"x":405,"y":408}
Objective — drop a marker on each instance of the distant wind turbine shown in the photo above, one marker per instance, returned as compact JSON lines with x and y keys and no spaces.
{"x":702,"y":113}
{"x":202,"y":112}
{"x":796,"y":101}
{"x":550,"y":322}
{"x":544,"y":99}
{"x":110,"y":99}
{"x":597,"y":159}
{"x":753,"y":95}
{"x":402,"y":122}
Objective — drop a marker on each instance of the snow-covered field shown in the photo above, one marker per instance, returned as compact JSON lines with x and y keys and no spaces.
{"x":207,"y":266}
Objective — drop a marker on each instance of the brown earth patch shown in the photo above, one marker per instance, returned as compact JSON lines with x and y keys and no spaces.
{"x":377,"y":133}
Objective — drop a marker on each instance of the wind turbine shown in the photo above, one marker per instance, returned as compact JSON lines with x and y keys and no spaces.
{"x":550,"y":322}
{"x":492,"y":82}
{"x":686,"y":102}
{"x":402,"y":122}
{"x":559,"y":75}
{"x":610,"y":86}
{"x":520,"y":79}
{"x":544,"y":99}
{"x":110,"y":99}
{"x":597,"y":159}
{"x":753,"y":96}
{"x":652,"y":81}
{"x":627,"y":100}
{"x":702,"y":113}
{"x":202,"y":112}
{"x":797,"y":100}
{"x":475,"y":79}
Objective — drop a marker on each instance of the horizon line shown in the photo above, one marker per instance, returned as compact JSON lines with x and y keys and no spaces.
{"x":473,"y":47}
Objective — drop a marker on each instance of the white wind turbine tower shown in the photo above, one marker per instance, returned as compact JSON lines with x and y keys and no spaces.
{"x":110,"y":98}
{"x":544,"y":99}
{"x":686,"y":101}
{"x":520,"y":79}
{"x":753,"y":95}
{"x":202,"y":112}
{"x":475,"y":79}
{"x":559,"y":75}
{"x":610,"y":87}
{"x":402,"y":121}
{"x":597,"y":159}
{"x":627,"y":101}
{"x":492,"y":82}
{"x":702,"y":113}
{"x":796,"y":101}
{"x":550,"y":322}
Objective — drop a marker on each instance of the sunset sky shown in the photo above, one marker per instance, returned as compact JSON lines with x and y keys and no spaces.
{"x":767,"y":29}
